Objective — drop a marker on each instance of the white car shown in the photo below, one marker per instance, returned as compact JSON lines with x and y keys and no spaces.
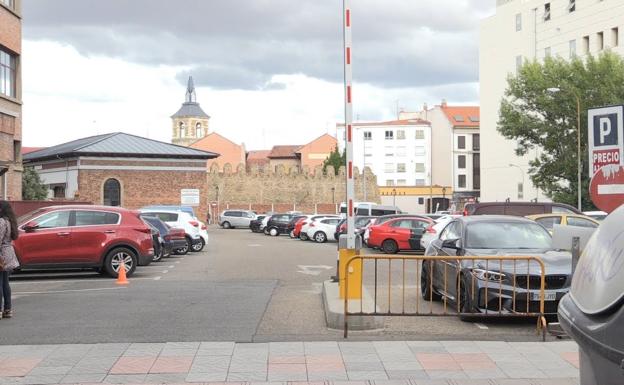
{"x":181,"y":220}
{"x":203,"y":233}
{"x":367,"y":230}
{"x":320,"y":229}
{"x":303,"y":235}
{"x":432,"y":232}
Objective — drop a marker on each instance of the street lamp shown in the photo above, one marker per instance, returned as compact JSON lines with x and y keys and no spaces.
{"x":554,"y":90}
{"x":521,"y":171}
{"x":394,"y":197}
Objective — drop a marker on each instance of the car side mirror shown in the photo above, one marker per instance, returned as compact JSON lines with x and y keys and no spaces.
{"x":30,"y":227}
{"x":452,"y":244}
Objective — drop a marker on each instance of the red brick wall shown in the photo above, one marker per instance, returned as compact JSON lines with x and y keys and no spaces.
{"x":142,"y":188}
{"x":24,"y":207}
{"x":322,"y":208}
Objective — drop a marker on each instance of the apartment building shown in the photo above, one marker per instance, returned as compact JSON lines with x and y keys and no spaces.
{"x":10,"y":99}
{"x":397,"y":152}
{"x":524,"y":30}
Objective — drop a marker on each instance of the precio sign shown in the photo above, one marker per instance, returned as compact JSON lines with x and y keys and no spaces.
{"x":606,"y":137}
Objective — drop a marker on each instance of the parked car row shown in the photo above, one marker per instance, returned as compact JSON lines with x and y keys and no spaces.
{"x":105,"y":238}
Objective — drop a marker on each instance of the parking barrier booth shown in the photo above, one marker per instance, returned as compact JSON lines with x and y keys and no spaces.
{"x":464,"y":286}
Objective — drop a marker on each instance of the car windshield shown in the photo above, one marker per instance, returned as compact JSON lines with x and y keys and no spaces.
{"x":507,"y":235}
{"x":27,"y":217}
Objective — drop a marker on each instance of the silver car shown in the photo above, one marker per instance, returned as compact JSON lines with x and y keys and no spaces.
{"x":230,"y":219}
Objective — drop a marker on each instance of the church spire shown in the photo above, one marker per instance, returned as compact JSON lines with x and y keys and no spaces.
{"x":190,"y":91}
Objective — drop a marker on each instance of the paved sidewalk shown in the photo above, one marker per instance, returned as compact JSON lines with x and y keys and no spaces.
{"x":359,"y":363}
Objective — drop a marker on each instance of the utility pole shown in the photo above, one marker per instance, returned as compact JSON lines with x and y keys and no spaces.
{"x":348,"y":84}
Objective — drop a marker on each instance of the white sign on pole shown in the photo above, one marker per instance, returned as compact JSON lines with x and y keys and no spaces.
{"x":606,"y":137}
{"x":189,"y":197}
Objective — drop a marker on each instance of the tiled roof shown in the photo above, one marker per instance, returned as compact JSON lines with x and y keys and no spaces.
{"x":190,"y":109}
{"x":403,"y":122}
{"x":284,"y":152}
{"x":258,"y":158}
{"x":118,"y":144}
{"x":463,"y":116}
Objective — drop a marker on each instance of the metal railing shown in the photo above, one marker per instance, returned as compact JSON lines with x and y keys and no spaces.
{"x":518,"y":290}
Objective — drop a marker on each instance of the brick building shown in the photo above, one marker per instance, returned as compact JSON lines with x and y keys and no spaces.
{"x":10,"y":99}
{"x":122,"y":170}
{"x":229,"y":151}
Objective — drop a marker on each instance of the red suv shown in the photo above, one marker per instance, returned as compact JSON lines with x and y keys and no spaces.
{"x":398,"y":234}
{"x":99,"y":237}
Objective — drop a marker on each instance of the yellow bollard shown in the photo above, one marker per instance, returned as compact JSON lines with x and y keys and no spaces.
{"x":354,"y":275}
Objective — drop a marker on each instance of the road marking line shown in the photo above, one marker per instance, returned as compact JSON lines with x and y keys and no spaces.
{"x":43,"y":280}
{"x":312,"y":269}
{"x":171,"y":267}
{"x":165,"y":271}
{"x":481,"y":326}
{"x":177,"y":262}
{"x":68,"y":291}
{"x":157,"y":278}
{"x":255,"y":245}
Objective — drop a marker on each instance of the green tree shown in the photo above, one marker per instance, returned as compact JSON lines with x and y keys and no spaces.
{"x":538,"y":119}
{"x":335,"y":159}
{"x":32,"y":188}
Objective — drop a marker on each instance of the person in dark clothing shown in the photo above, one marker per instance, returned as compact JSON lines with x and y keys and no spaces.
{"x":8,"y":259}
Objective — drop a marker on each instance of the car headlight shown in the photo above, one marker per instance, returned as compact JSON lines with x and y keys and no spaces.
{"x":488,"y":275}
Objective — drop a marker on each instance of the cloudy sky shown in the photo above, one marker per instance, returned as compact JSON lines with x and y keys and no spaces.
{"x":267,"y":71}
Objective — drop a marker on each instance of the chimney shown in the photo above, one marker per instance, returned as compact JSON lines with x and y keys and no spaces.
{"x":444,"y":105}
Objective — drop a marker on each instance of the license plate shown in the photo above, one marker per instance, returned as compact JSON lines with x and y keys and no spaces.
{"x":548,"y":296}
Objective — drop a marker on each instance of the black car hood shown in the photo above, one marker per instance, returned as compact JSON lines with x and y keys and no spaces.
{"x":555,"y":262}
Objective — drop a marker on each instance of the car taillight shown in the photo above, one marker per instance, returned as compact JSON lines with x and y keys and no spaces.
{"x":203,"y":227}
{"x":194,"y":223}
{"x":465,"y":213}
{"x":431,"y":230}
{"x":145,"y":230}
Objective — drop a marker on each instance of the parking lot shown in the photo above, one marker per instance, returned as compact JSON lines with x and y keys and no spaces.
{"x":243,"y":287}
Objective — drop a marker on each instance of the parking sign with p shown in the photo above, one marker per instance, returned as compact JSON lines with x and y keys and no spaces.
{"x":606,"y":137}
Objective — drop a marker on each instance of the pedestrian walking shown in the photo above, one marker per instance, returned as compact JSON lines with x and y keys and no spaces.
{"x":8,"y":259}
{"x":208,"y":218}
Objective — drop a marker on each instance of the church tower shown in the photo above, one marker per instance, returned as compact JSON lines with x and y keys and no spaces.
{"x":190,"y":123}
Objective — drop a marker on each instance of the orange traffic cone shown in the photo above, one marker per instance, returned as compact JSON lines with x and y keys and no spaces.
{"x":121,"y":276}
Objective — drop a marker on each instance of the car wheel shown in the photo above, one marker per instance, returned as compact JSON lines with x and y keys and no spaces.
{"x":465,"y":300}
{"x":390,"y":246}
{"x":292,"y":234}
{"x":184,"y":250}
{"x":274,"y":232}
{"x":320,"y":237}
{"x":426,"y":288}
{"x":118,"y":257}
{"x":303,"y":236}
{"x":198,"y":246}
{"x":226,"y":225}
{"x":157,"y":257}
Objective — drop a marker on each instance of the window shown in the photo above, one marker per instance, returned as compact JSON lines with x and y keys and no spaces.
{"x":389,"y":182}
{"x":419,"y":150}
{"x":461,"y":161}
{"x":199,"y":131}
{"x":600,"y":41}
{"x":476,"y":142}
{"x":518,"y":22}
{"x":549,"y":222}
{"x":547,"y":52}
{"x":53,"y":220}
{"x":112,"y":193}
{"x":572,"y":48}
{"x":7,"y":122}
{"x":389,"y":151}
{"x":476,"y":171}
{"x":368,"y":135}
{"x":585,"y":45}
{"x":400,"y":167}
{"x":58,"y":191}
{"x":572,"y":6}
{"x":461,"y":181}
{"x":401,"y":182}
{"x":389,"y":135}
{"x":389,"y":167}
{"x":546,"y":11}
{"x":401,"y":151}
{"x":400,"y":134}
{"x":420,"y":167}
{"x":461,"y":142}
{"x":8,"y":71}
{"x":166,"y":217}
{"x":421,"y":201}
{"x":419,"y":182}
{"x":518,"y":63}
{"x":581,"y":222}
{"x":420,"y":134}
{"x":95,"y":218}
{"x":181,"y":130}
{"x":615,"y":37}
{"x":559,"y":209}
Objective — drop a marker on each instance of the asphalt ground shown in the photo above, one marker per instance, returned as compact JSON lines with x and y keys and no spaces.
{"x":243,"y":287}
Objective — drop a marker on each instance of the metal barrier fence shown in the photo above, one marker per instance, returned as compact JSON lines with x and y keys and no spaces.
{"x":513,"y":291}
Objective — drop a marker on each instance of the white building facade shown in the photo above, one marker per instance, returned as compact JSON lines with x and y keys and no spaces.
{"x":397,"y":152}
{"x":523,"y":30}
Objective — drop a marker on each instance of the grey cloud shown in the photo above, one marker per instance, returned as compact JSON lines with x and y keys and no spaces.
{"x":242,"y":43}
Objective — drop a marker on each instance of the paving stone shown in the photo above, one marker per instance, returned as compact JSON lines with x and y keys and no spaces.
{"x":446,"y":374}
{"x":11,"y":380}
{"x":288,"y":359}
{"x":44,"y":370}
{"x":133,"y":365}
{"x":364,"y":366}
{"x":215,"y":349}
{"x":125,"y":379}
{"x":287,"y":377}
{"x":461,"y":347}
{"x":286,"y":348}
{"x":391,"y":382}
{"x":561,"y":373}
{"x":42,"y":380}
{"x":178,"y":364}
{"x":327,"y":376}
{"x":83,"y":378}
{"x":207,"y":364}
{"x":108,"y":350}
{"x":485,"y":373}
{"x":512,"y":381}
{"x":17,"y":367}
{"x":144,"y":349}
{"x":247,"y":376}
{"x":431,"y":382}
{"x":558,"y":381}
{"x":60,"y":361}
{"x":207,"y":377}
{"x":367,"y":375}
{"x":367,"y":357}
{"x":165,"y":378}
{"x":94,"y":365}
{"x":523,"y":373}
{"x":408,"y":374}
{"x":402,"y":365}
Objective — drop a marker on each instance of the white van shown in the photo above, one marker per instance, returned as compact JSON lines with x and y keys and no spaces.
{"x":369,"y":209}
